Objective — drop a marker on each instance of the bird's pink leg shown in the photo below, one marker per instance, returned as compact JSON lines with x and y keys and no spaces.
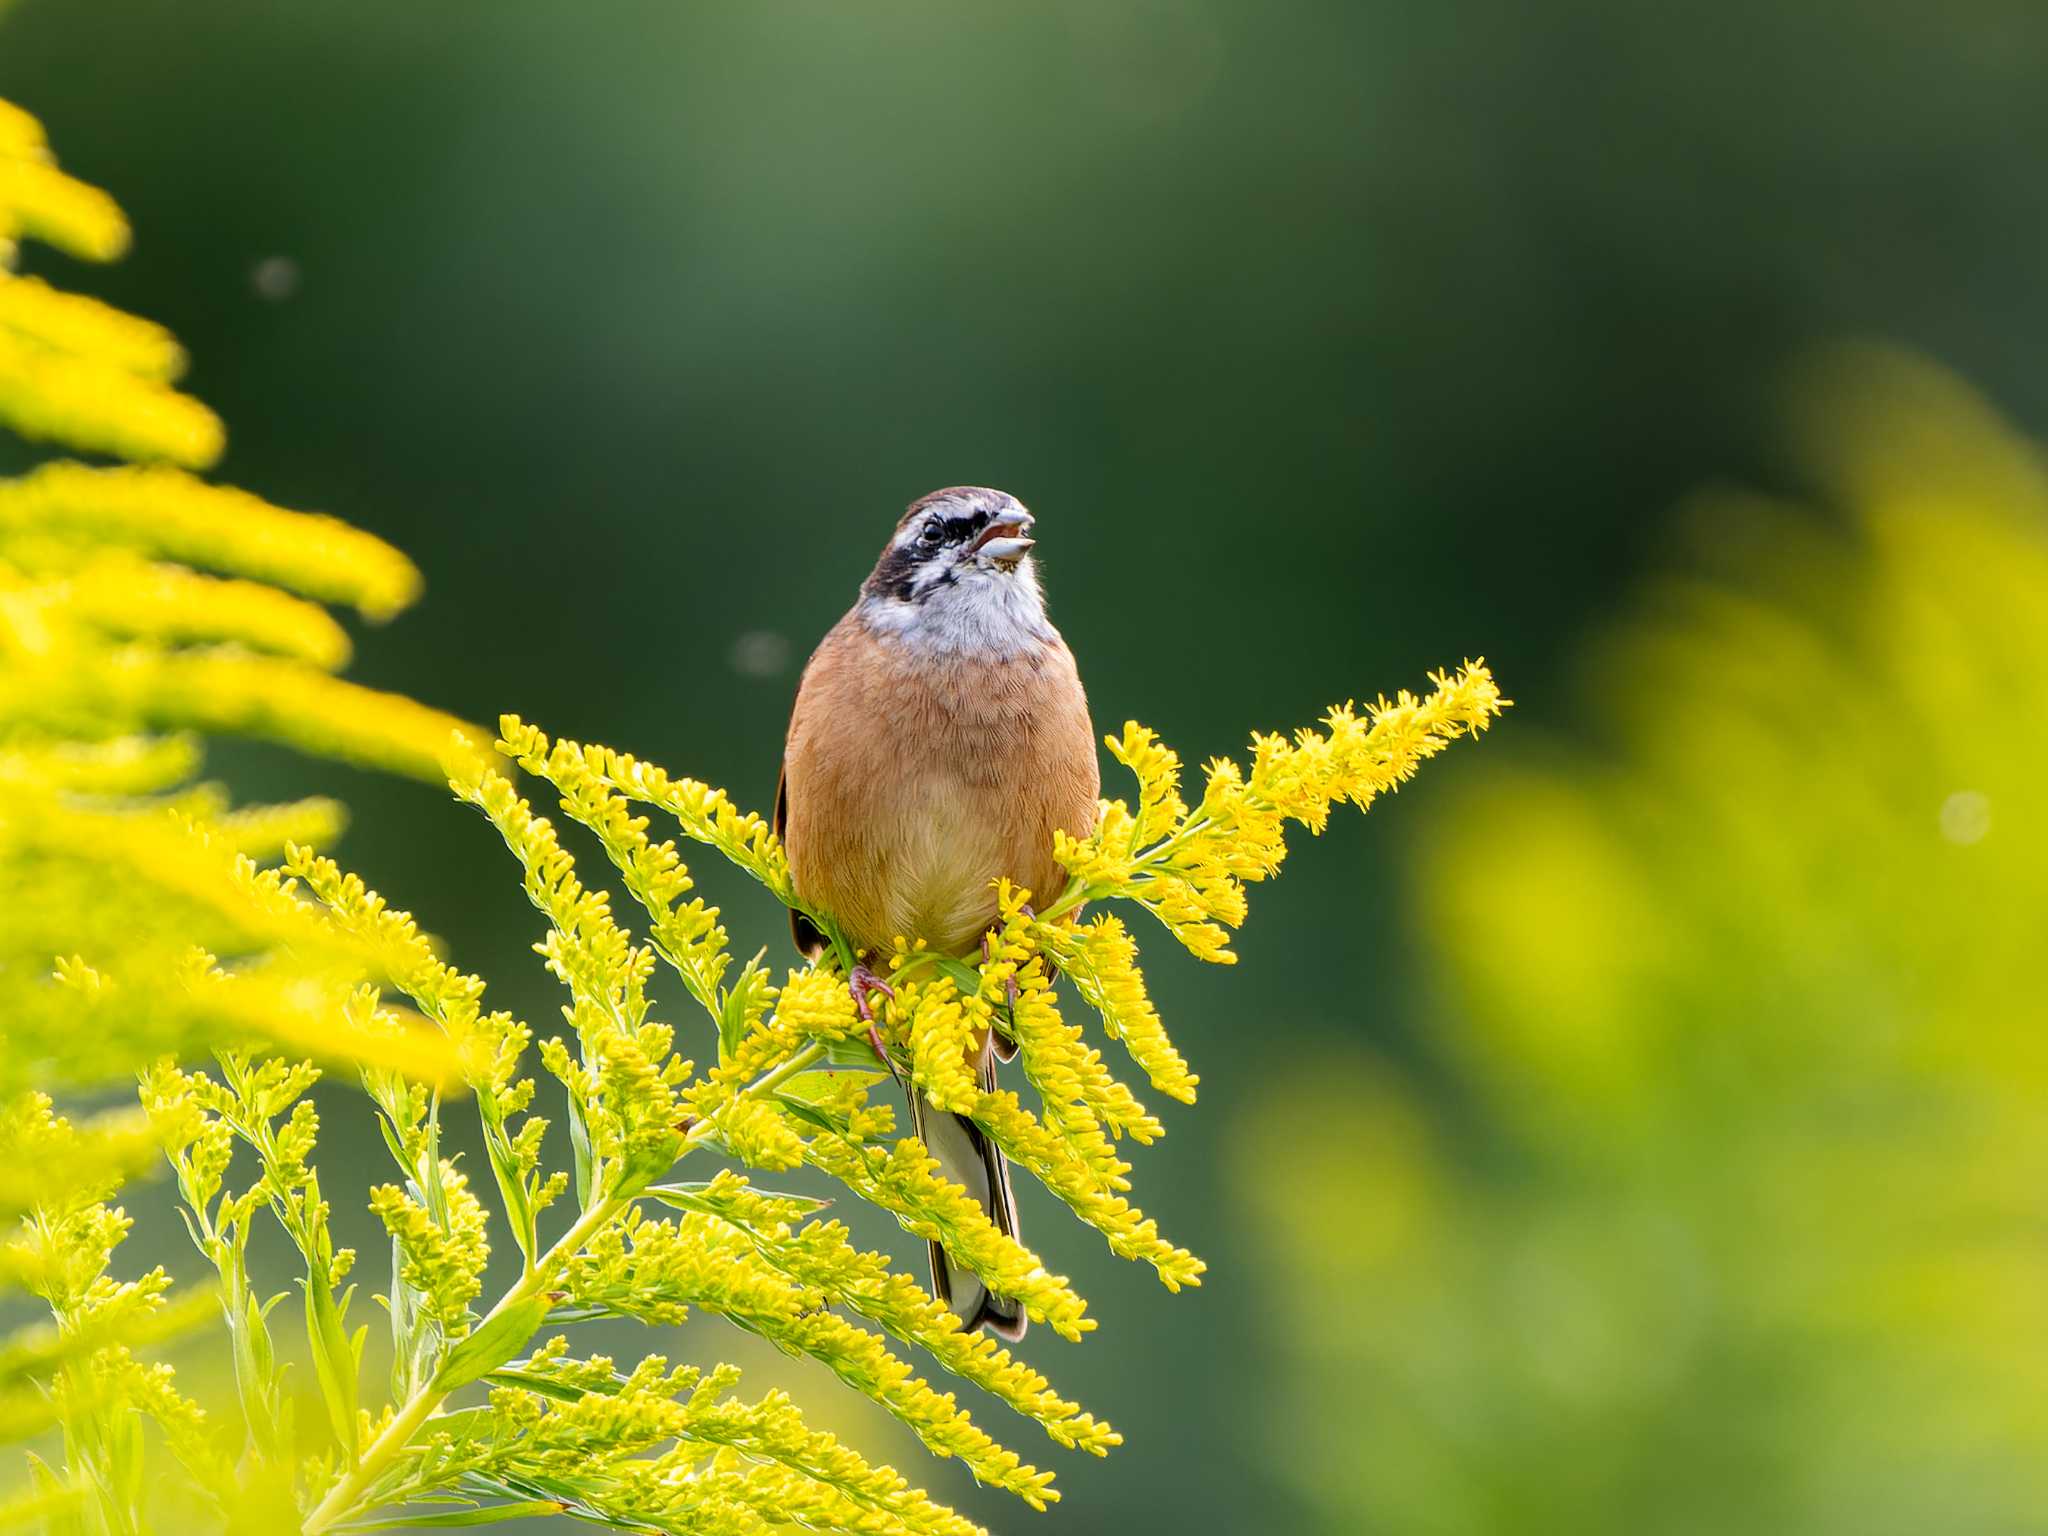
{"x":863,"y":983}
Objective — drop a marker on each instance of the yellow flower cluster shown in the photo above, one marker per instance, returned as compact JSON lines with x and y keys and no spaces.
{"x":942,"y":1030}
{"x":73,"y":369}
{"x":902,"y":1178}
{"x":791,"y":1086}
{"x":38,"y":201}
{"x":704,"y":814}
{"x":672,"y":1450}
{"x":443,"y":1254}
{"x":819,"y":1254}
{"x":138,"y":604}
{"x":1081,"y":1097}
{"x":1189,"y":867}
{"x":656,"y":1270}
{"x":623,"y":1080}
{"x":1102,"y":958}
{"x":488,"y":1047}
{"x":164,"y":513}
{"x":689,"y":936}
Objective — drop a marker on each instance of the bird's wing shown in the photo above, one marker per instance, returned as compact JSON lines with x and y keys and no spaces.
{"x":810,"y":942}
{"x":968,"y":1158}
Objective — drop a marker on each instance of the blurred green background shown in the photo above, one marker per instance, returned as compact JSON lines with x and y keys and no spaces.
{"x":1330,"y":342}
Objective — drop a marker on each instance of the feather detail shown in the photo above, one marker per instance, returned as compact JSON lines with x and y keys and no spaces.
{"x":971,"y":1160}
{"x":912,"y":784}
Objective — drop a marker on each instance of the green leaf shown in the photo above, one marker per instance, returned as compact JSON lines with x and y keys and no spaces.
{"x":489,"y":1514}
{"x":855,"y":1053}
{"x":732,"y":1015}
{"x":546,"y":1386}
{"x":822,"y":1086}
{"x":810,"y":1114}
{"x":502,"y":1336}
{"x":579,"y":1145}
{"x":334,"y":1361}
{"x":519,"y":1214}
{"x":460,"y":1422}
{"x":688,"y":1197}
{"x":391,"y":1140}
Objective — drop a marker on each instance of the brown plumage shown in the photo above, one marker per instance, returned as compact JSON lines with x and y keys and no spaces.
{"x":940,"y":737}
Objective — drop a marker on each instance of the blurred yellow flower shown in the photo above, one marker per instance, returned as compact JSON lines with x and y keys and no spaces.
{"x":1749,"y":1238}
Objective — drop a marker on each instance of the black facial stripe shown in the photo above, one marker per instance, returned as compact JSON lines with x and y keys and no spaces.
{"x":895,"y":574}
{"x":952,"y":530}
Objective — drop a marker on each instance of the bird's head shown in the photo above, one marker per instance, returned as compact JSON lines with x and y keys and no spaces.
{"x":957,"y":575}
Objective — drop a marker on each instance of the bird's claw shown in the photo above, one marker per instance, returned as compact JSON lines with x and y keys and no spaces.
{"x":863,"y":984}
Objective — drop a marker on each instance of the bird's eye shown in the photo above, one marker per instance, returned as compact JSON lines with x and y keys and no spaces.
{"x":932,"y":532}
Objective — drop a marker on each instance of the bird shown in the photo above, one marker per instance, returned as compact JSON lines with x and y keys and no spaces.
{"x":939,"y":740}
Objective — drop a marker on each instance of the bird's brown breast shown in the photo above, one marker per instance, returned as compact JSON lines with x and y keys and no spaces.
{"x":912,"y":783}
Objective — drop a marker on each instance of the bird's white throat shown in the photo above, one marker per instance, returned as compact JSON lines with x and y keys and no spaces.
{"x":981,"y":612}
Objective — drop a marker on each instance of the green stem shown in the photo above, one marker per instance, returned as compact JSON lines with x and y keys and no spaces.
{"x":1078,"y":892}
{"x":767,"y":1081}
{"x":386,"y":1448}
{"x":342,"y":1498}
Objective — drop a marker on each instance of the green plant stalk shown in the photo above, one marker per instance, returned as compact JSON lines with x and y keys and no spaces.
{"x":387,"y":1447}
{"x":342,"y":1498}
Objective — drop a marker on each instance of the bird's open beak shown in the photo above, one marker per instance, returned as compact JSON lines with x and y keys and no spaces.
{"x":1003,"y":541}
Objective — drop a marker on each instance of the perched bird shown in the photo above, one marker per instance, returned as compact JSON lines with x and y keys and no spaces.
{"x":940,"y":738}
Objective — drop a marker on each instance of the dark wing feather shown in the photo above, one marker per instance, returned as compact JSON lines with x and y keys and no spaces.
{"x":810,"y":943}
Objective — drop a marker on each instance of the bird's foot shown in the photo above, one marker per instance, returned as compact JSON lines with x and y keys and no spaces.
{"x":863,"y":984}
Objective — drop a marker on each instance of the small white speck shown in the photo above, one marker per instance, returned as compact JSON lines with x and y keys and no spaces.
{"x":1965,"y":817}
{"x":759,"y":653}
{"x":275,"y":278}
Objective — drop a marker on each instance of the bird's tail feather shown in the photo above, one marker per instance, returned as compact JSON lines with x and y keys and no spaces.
{"x":971,"y":1160}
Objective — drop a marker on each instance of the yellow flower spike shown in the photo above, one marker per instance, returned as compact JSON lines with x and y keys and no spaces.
{"x":38,"y":201}
{"x":266,"y":831}
{"x":444,"y":1257}
{"x":168,"y":513}
{"x":136,"y":601}
{"x":101,"y":407}
{"x":488,"y":1046}
{"x":1070,"y":1075}
{"x":69,"y":322}
{"x":1191,"y":872}
{"x":21,"y":136}
{"x":137,"y":686}
{"x":1157,"y":768}
{"x":815,"y":1005}
{"x":1102,"y":957}
{"x":1092,"y":1197}
{"x":122,"y":765}
{"x":706,"y":815}
{"x":820,"y":1255}
{"x":1081,"y":1096}
{"x":687,"y":935}
{"x":903,"y":1179}
{"x":133,"y":599}
{"x":940,"y":1030}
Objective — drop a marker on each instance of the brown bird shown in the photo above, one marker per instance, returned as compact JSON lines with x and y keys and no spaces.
{"x":940,"y":738}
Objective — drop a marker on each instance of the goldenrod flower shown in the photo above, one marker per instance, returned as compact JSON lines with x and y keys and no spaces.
{"x":141,"y":607}
{"x":1189,"y":867}
{"x":39,"y":202}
